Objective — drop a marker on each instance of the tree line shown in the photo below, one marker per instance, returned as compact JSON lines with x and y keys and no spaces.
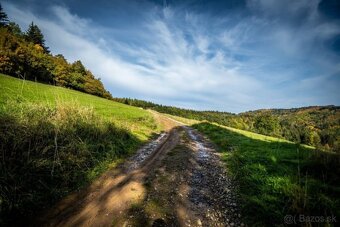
{"x":25,"y":55}
{"x":318,"y":126}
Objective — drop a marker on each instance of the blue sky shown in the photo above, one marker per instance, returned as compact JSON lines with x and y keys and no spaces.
{"x":218,"y":55}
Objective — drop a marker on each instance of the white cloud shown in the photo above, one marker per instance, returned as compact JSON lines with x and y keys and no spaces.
{"x":71,"y":22}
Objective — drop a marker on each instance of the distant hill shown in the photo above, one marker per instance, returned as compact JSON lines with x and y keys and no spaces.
{"x":280,"y":111}
{"x":314,"y":125}
{"x":318,"y":126}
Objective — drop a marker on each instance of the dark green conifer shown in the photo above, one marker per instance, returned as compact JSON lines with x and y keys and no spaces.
{"x":3,"y":17}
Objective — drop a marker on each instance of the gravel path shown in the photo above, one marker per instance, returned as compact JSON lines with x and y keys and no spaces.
{"x":177,"y":179}
{"x":212,"y":191}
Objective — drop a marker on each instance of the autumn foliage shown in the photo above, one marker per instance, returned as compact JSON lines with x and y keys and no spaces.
{"x":24,"y":55}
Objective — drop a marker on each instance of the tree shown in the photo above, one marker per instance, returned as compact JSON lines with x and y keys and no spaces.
{"x":78,"y":67}
{"x":61,"y":71}
{"x":34,"y":35}
{"x":15,"y":29}
{"x":266,"y":124}
{"x":3,"y":17}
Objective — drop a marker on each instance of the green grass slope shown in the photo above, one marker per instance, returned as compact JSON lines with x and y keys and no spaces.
{"x":139,"y":121}
{"x":277,"y":177}
{"x":56,"y":140}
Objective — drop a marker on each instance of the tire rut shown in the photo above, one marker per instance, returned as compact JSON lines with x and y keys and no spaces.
{"x":113,"y":193}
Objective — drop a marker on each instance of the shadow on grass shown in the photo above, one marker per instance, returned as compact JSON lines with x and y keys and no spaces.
{"x":278,"y":178}
{"x":46,"y":153}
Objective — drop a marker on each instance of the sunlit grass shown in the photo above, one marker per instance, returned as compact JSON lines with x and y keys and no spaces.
{"x":260,"y":137}
{"x":55,"y":140}
{"x":277,"y":177}
{"x":182,"y":119}
{"x":248,"y":134}
{"x":139,"y":121}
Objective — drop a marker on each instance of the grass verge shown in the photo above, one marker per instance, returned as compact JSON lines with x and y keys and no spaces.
{"x":276,"y":177}
{"x":55,"y":140}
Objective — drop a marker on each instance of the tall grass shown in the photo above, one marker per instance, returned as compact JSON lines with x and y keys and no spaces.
{"x":55,"y":140}
{"x":277,"y":177}
{"x":138,"y":121}
{"x":46,"y":152}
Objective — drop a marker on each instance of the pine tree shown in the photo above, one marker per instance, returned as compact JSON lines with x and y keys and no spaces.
{"x":15,"y":29}
{"x":34,"y":35}
{"x":3,"y":17}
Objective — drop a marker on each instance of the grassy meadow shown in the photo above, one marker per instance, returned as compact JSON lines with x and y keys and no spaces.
{"x":140,"y":122}
{"x":56,"y":140}
{"x":277,"y":177}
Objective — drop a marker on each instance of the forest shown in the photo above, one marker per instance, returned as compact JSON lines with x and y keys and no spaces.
{"x":318,"y":126}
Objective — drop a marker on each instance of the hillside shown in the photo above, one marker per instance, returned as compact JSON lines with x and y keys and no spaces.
{"x":318,"y":126}
{"x":23,"y":91}
{"x":25,"y":56}
{"x":315,"y":125}
{"x":60,"y":139}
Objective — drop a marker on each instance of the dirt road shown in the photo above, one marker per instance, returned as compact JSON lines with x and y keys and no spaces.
{"x":175,"y":180}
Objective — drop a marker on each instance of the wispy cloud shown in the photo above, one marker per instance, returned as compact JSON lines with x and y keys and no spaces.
{"x":189,"y":59}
